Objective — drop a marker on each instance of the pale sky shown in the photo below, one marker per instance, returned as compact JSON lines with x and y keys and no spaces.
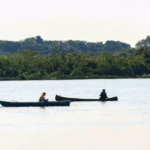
{"x":90,"y":20}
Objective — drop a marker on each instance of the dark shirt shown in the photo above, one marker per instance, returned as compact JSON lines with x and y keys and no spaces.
{"x":103,"y":95}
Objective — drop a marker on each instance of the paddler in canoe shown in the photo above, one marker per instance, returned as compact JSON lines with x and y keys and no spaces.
{"x":103,"y":95}
{"x":42,"y":98}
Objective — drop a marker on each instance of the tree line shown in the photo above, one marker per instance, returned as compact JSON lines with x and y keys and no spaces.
{"x":53,"y":47}
{"x":33,"y":65}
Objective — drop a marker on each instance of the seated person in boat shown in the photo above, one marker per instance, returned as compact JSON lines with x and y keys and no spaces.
{"x":42,"y":98}
{"x":103,"y":94}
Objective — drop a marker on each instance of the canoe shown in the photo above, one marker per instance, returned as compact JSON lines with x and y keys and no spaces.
{"x":34,"y":104}
{"x":60,"y":98}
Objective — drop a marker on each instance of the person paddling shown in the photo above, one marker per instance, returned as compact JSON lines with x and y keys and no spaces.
{"x":103,"y":94}
{"x":42,"y":98}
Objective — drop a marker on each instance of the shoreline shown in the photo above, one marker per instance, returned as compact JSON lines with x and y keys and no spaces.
{"x":74,"y":78}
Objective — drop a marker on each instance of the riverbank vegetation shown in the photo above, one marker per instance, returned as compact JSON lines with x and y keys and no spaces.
{"x":33,"y":65}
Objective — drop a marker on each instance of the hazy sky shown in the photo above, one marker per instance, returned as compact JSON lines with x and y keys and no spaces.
{"x":90,"y":20}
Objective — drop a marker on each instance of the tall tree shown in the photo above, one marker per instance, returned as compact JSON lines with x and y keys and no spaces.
{"x":143,"y":42}
{"x":39,"y":39}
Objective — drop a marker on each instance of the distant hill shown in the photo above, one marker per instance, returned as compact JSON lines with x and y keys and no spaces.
{"x":49,"y":47}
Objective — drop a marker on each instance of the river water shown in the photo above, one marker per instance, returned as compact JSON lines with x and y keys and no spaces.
{"x":118,"y":125}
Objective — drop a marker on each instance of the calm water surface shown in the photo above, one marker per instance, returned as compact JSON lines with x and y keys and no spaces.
{"x":121,"y":125}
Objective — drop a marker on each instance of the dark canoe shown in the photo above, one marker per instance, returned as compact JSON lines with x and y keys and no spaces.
{"x":34,"y":104}
{"x":60,"y":98}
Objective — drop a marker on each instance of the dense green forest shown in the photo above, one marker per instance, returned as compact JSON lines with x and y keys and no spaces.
{"x":33,"y":64}
{"x":53,"y":47}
